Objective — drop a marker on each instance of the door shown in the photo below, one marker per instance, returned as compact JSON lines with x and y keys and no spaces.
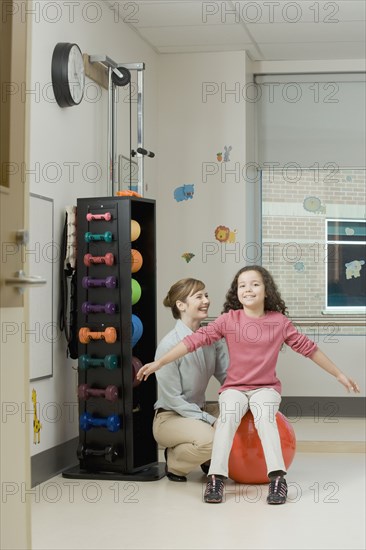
{"x":16,"y":412}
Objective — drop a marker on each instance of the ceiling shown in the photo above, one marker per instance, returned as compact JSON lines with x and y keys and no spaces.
{"x":267,"y":30}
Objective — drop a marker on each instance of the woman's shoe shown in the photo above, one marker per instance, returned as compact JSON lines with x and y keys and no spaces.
{"x":170,"y":475}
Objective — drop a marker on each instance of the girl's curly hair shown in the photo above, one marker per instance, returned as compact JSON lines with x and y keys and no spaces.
{"x":272,"y":301}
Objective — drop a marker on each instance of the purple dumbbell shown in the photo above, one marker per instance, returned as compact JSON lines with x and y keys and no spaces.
{"x":90,"y":282}
{"x":108,"y":307}
{"x":110,"y":393}
{"x":112,"y":422}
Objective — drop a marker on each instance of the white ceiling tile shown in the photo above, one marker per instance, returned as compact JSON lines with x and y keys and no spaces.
{"x":303,"y":11}
{"x":293,"y":52}
{"x":180,"y":36}
{"x":304,"y":32}
{"x":268,"y":30}
{"x":159,"y":13}
{"x":210,"y":48}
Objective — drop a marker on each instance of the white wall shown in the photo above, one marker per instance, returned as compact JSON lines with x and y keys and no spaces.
{"x":202,"y":110}
{"x":197,"y":119}
{"x":302,"y":377}
{"x":59,"y":137}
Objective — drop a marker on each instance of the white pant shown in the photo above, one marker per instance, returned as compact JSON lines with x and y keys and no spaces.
{"x":264,"y":404}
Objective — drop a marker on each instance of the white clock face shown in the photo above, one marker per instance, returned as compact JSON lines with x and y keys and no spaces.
{"x":76,"y":74}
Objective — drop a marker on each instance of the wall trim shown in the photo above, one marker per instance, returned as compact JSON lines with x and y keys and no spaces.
{"x":51,"y":462}
{"x":331,"y":446}
{"x":332,"y":407}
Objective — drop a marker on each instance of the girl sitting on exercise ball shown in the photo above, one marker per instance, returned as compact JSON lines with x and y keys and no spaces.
{"x":255,"y":327}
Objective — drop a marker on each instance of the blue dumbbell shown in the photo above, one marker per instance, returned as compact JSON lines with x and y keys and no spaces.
{"x":112,"y":422}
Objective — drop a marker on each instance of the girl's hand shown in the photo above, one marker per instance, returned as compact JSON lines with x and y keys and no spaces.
{"x":349,"y":384}
{"x":146,"y":370}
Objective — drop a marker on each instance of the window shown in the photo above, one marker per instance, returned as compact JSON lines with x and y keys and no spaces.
{"x":346,"y":264}
{"x":313,"y":224}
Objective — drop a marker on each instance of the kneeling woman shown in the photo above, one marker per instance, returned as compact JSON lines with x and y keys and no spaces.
{"x":184,"y":422}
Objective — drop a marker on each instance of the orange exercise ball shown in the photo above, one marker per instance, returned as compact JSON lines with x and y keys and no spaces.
{"x":135,"y":230}
{"x":136,"y":260}
{"x":246,"y":461}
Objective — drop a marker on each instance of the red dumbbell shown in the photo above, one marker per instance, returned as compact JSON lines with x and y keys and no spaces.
{"x":94,"y":217}
{"x":109,"y":335}
{"x":85,"y":391}
{"x":136,"y":366}
{"x":108,"y":259}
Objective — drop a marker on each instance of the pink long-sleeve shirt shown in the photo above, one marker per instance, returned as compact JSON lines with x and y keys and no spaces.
{"x":253,"y":344}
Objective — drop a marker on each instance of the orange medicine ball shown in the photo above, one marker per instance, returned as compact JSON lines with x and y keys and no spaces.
{"x":135,"y":230}
{"x":136,"y":260}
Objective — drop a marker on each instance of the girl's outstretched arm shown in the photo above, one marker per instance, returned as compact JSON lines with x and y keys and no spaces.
{"x":325,"y":363}
{"x":175,"y":353}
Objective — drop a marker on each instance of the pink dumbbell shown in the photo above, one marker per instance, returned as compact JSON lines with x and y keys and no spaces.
{"x":110,"y":393}
{"x":94,"y":217}
{"x":108,"y":259}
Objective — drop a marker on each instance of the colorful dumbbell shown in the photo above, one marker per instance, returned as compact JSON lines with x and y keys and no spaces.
{"x":87,"y":422}
{"x":109,"y":362}
{"x":110,"y":392}
{"x":89,"y":260}
{"x":109,"y":452}
{"x":106,"y":237}
{"x":108,"y":307}
{"x":109,"y":335}
{"x":96,"y":217}
{"x":91,"y":282}
{"x":136,"y":366}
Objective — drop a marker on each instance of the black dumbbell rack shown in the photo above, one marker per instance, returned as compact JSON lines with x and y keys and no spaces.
{"x":115,"y":431}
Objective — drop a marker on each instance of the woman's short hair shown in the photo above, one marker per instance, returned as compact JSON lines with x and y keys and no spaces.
{"x":179,"y":292}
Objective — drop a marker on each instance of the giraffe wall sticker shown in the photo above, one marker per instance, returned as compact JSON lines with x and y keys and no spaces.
{"x":37,"y":426}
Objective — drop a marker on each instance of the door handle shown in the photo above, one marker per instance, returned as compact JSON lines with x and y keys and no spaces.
{"x":21,"y":281}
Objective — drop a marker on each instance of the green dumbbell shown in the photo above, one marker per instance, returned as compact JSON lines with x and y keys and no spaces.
{"x":106,"y":237}
{"x":109,"y":362}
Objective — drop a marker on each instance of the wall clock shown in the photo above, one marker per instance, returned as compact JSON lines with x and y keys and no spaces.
{"x":68,"y":74}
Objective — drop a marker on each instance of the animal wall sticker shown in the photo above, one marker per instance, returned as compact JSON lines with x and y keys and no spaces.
{"x":188,"y":256}
{"x":224,"y":235}
{"x":353,"y":269}
{"x":184,"y":192}
{"x":37,"y":426}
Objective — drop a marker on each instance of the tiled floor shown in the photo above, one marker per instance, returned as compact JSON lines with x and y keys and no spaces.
{"x":325,"y":507}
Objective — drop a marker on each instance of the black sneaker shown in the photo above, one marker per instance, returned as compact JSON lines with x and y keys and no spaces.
{"x":277,"y":491}
{"x":214,"y":490}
